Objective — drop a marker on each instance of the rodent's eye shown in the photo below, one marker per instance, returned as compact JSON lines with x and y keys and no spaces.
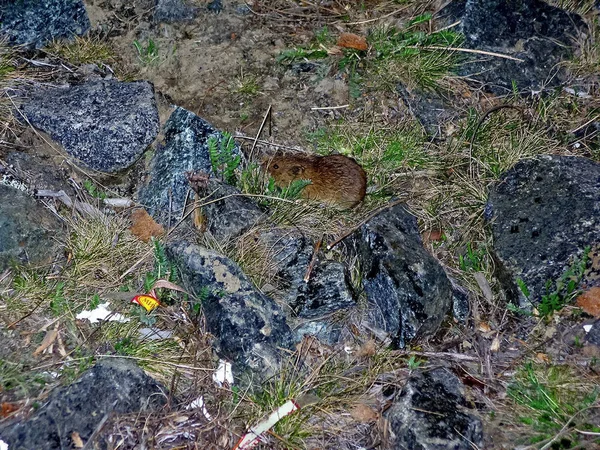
{"x":275,"y":166}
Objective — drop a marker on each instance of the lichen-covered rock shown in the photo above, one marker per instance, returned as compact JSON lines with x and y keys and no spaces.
{"x":36,"y":23}
{"x":231,"y":216}
{"x":174,"y":11}
{"x":106,"y":125}
{"x":26,"y":229}
{"x":249,"y":327}
{"x":185,"y":150}
{"x":407,"y":289}
{"x":430,"y":414}
{"x":111,"y":386}
{"x":544,"y":212}
{"x":540,"y":35}
{"x":328,"y":289}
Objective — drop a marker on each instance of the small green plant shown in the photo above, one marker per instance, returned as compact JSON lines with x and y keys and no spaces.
{"x":59,"y":304}
{"x":290,"y":192}
{"x":163,"y":269}
{"x":413,"y":363}
{"x":246,"y":85}
{"x":223,"y":159}
{"x":565,"y":289}
{"x":472,"y":260}
{"x":91,"y":189}
{"x":147,"y":54}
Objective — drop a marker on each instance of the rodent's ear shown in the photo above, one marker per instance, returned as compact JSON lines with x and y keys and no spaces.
{"x":297,"y":170}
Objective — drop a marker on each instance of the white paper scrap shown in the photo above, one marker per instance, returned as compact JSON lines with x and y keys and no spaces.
{"x":3,"y":445}
{"x":223,"y":373}
{"x":101,"y":313}
{"x":199,"y":404}
{"x":588,"y":327}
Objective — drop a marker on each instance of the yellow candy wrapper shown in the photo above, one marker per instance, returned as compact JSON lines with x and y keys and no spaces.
{"x":147,"y":301}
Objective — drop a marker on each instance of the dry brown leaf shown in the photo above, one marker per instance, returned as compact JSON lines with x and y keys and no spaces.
{"x":484,"y":285}
{"x":77,"y":442}
{"x":363,"y":413}
{"x":495,"y":345}
{"x":369,"y":348}
{"x":8,"y":408}
{"x":542,"y":357}
{"x":484,"y":327}
{"x":589,"y":301}
{"x":351,"y":40}
{"x":49,"y":338}
{"x":143,"y":226}
{"x":433,"y":235}
{"x":200,"y":221}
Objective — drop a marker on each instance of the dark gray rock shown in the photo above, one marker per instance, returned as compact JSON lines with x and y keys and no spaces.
{"x":26,"y":229}
{"x":531,"y":30}
{"x":111,"y":386}
{"x":328,"y":289}
{"x":593,"y":336}
{"x":249,"y":327}
{"x":431,"y":110}
{"x":39,"y":172}
{"x":430,"y":414}
{"x":106,"y":125}
{"x":408,"y":292}
{"x":174,"y":11}
{"x":544,"y":211}
{"x":231,"y":216}
{"x":184,"y":151}
{"x":36,"y":23}
{"x":215,"y":6}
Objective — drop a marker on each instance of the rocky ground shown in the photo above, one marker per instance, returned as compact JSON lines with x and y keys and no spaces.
{"x":456,"y":307}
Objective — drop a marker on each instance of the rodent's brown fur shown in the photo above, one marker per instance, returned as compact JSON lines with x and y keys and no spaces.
{"x":336,"y":179}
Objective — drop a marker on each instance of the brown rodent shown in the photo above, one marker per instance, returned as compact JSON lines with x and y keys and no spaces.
{"x":335,"y":179}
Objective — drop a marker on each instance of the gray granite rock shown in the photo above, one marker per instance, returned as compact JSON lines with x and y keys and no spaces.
{"x":185,"y":150}
{"x":531,"y":30}
{"x":544,"y":212}
{"x":249,"y":327}
{"x":106,"y":125}
{"x":26,"y":229}
{"x":111,"y":386}
{"x":408,"y":292}
{"x":35,"y":23}
{"x":430,"y":414}
{"x":174,"y":11}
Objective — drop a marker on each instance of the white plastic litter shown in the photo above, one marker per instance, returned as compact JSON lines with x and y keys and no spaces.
{"x":3,"y":445}
{"x":253,"y":437}
{"x":102,"y":313}
{"x":587,"y":328}
{"x":223,"y":373}
{"x":199,"y":404}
